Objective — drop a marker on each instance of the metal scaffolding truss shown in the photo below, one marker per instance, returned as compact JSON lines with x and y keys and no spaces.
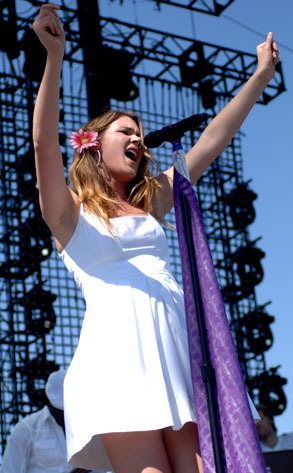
{"x":211,"y":7}
{"x":164,"y":56}
{"x":41,"y":309}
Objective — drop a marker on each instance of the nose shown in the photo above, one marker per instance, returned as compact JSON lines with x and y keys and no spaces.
{"x":136,"y":140}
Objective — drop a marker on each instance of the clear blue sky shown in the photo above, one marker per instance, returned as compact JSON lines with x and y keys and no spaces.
{"x":267,"y":149}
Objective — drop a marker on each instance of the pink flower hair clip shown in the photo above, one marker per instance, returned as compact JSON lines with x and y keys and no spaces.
{"x":85,"y":140}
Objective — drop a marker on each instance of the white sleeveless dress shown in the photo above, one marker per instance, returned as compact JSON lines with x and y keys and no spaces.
{"x":131,"y":368}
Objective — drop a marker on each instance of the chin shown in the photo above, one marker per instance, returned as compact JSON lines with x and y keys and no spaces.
{"x":131,"y":175}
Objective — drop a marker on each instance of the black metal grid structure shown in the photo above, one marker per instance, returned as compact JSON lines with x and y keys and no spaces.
{"x":210,"y":7}
{"x":41,"y":309}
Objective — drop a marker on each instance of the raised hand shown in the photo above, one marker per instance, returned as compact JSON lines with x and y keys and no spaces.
{"x":49,"y":30}
{"x":268,"y":55}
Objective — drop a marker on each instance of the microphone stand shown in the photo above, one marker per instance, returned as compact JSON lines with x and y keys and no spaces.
{"x":207,"y":369}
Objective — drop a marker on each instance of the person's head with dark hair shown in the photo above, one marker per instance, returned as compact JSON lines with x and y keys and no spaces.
{"x":265,"y":412}
{"x":266,"y":428}
{"x":54,"y":393}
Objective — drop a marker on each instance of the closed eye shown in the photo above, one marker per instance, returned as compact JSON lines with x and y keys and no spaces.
{"x":128,"y":132}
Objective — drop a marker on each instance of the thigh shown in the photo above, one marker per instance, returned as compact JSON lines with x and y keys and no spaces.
{"x":183,"y":450}
{"x":137,"y":452}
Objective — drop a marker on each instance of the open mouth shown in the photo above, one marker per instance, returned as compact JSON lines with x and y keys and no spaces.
{"x":131,"y":154}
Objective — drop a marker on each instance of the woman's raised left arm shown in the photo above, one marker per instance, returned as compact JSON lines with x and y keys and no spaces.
{"x":223,"y":127}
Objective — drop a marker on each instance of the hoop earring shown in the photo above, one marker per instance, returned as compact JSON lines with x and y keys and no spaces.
{"x":99,"y":157}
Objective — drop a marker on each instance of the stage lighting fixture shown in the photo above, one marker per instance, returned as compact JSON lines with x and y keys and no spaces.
{"x":193,"y":65}
{"x":233,"y":293}
{"x":248,"y":266}
{"x":241,"y":209}
{"x":37,"y":396}
{"x":33,"y":371}
{"x":21,"y":268}
{"x":266,"y":389}
{"x":62,"y":139}
{"x":27,"y":188}
{"x":8,"y":31}
{"x":245,"y":262}
{"x":41,"y":301}
{"x":35,"y":246}
{"x":24,"y":166}
{"x":118,"y":62}
{"x":254,"y":328}
{"x":38,"y":368}
{"x":35,"y":56}
{"x":207,"y":94}
{"x":35,"y":228}
{"x":28,"y":263}
{"x":25,"y":163}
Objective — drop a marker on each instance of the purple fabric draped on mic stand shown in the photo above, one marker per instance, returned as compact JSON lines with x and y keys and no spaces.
{"x":241,"y":447}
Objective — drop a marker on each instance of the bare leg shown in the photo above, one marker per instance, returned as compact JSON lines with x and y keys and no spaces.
{"x":137,"y":452}
{"x":183,"y":449}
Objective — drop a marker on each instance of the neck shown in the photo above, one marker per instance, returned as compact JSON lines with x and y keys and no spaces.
{"x":58,"y":415}
{"x":120,"y":194}
{"x":270,"y":440}
{"x":118,"y":188}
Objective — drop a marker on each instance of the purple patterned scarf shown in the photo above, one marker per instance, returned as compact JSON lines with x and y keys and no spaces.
{"x":241,"y":447}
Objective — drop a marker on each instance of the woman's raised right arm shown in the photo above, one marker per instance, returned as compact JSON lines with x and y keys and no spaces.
{"x":59,"y":205}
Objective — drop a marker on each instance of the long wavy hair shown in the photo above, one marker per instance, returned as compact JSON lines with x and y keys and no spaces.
{"x":88,"y":181}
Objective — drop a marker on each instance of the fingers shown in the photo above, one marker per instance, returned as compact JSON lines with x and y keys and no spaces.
{"x":275,"y":50}
{"x":48,"y":20}
{"x":48,"y":9}
{"x":56,"y":26}
{"x":268,"y":49}
{"x":48,"y":27}
{"x":50,"y":5}
{"x":272,"y":45}
{"x":269,"y":40}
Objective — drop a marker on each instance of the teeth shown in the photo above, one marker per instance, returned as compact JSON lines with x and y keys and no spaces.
{"x":132,"y":153}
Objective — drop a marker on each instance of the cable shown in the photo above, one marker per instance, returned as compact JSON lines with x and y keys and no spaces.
{"x":254,"y":31}
{"x":192,"y":24}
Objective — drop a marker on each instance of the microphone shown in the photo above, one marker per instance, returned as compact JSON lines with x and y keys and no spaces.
{"x":175,"y":131}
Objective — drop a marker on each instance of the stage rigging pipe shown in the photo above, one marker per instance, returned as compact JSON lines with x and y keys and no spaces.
{"x":91,"y":42}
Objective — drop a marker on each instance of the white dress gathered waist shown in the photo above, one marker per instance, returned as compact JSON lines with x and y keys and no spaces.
{"x":131,"y":369}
